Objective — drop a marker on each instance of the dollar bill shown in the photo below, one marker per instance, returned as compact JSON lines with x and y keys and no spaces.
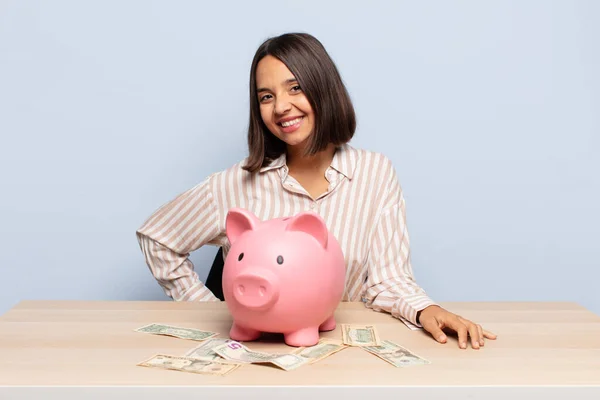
{"x":410,"y":325}
{"x":176,"y":331}
{"x":360,"y":335}
{"x":188,"y":364}
{"x":205,"y":351}
{"x":321,"y":350}
{"x":238,"y":353}
{"x":396,"y":355}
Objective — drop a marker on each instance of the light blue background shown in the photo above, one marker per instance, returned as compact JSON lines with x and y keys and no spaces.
{"x":490,"y":111}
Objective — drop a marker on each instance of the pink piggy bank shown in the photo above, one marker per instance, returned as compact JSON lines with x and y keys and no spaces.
{"x":284,"y":275}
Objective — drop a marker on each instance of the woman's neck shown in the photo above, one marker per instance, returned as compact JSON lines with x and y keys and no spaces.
{"x":299,"y":163}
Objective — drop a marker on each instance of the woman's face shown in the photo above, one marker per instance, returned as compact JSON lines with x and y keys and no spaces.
{"x":284,"y":108}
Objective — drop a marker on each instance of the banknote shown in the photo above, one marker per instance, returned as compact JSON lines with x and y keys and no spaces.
{"x":360,"y":335}
{"x":396,"y":355}
{"x":239,"y":353}
{"x":176,"y":331}
{"x":205,"y":350}
{"x":188,"y":364}
{"x":321,"y":350}
{"x":410,"y":325}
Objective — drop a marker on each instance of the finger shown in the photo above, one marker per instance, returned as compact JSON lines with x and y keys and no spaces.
{"x":489,"y":335}
{"x":474,"y":333}
{"x":461,"y":330}
{"x":480,"y":330}
{"x":432,"y":326}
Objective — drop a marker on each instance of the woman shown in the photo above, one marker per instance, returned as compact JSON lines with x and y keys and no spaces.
{"x":301,"y":120}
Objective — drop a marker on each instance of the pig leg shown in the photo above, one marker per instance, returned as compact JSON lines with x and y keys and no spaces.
{"x":243,"y":334}
{"x":303,"y":337}
{"x":328,"y":325}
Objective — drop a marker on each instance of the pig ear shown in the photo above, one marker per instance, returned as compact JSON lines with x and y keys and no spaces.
{"x":239,"y":221}
{"x":311,"y":223}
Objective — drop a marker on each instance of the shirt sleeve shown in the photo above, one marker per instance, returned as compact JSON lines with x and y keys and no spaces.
{"x":390,"y":284}
{"x":172,"y":232}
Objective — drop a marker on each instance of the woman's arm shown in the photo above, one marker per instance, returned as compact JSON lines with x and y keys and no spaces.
{"x":390,"y":284}
{"x":171,"y":233}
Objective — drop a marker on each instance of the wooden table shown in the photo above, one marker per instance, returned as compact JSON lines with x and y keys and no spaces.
{"x":88,"y":349}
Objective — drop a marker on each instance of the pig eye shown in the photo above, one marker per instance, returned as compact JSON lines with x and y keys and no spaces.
{"x":279,"y":260}
{"x":240,"y":256}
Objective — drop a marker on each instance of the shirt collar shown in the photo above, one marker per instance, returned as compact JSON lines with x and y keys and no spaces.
{"x":275,"y":164}
{"x":344,"y":161}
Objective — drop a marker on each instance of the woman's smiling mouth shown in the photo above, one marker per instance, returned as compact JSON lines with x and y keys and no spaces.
{"x":290,"y":125}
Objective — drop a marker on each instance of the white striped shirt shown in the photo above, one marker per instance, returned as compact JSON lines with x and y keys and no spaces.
{"x":364,"y":208}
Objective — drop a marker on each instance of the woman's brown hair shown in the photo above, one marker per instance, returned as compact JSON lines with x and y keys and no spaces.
{"x":315,"y":71}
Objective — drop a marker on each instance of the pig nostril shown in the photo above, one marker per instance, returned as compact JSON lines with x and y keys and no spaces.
{"x":262,"y":290}
{"x":241,"y":289}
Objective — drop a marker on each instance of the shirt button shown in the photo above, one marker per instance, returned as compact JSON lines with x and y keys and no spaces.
{"x":312,"y":206}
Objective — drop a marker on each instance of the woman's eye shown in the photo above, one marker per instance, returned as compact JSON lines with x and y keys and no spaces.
{"x":296,"y":88}
{"x":265,"y":97}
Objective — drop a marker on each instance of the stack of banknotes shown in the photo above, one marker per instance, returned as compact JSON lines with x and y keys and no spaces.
{"x":220,"y":356}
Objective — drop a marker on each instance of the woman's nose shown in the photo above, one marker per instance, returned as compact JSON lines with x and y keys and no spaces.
{"x":282,"y":105}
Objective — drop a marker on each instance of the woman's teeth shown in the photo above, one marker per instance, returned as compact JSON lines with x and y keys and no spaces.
{"x":292,"y":122}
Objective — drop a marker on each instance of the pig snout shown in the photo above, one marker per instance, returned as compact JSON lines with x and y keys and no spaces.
{"x":257,"y":290}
